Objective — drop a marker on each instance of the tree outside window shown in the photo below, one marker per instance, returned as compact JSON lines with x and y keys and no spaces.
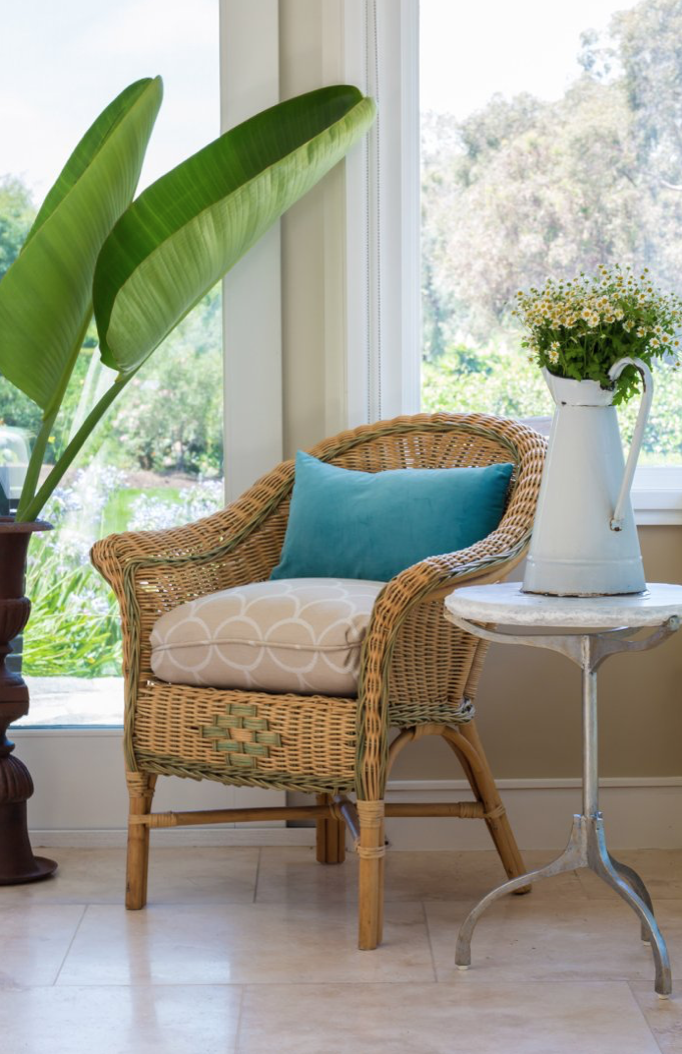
{"x":156,"y":460}
{"x":526,"y":186}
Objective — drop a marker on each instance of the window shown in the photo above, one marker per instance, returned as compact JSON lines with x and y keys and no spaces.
{"x":157,"y":458}
{"x":550,"y":144}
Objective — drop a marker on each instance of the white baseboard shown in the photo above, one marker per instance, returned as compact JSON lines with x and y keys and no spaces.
{"x":639,"y":813}
{"x":181,"y":837}
{"x":80,"y":799}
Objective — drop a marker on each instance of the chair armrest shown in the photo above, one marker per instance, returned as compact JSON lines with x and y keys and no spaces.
{"x":423,"y":582}
{"x":153,"y":571}
{"x":489,"y":559}
{"x":211,"y":539}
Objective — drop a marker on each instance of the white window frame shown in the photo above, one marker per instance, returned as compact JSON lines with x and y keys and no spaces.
{"x":383,"y":324}
{"x":383,"y":293}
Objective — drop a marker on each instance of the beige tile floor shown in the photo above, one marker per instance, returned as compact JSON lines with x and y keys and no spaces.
{"x":247,"y":951}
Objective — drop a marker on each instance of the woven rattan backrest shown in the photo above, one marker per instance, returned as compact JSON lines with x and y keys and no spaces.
{"x":243,"y":543}
{"x":422,"y":441}
{"x":434,"y":664}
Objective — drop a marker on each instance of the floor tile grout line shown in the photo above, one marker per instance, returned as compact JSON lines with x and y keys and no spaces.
{"x":68,"y":950}
{"x":636,"y":1002}
{"x":428,"y":937}
{"x":332,"y":983}
{"x":255,"y":885}
{"x":238,"y":1030}
{"x":426,"y":904}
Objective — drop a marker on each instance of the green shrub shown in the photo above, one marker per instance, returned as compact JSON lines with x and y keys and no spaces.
{"x":171,"y":419}
{"x":501,"y":381}
{"x":74,"y":629}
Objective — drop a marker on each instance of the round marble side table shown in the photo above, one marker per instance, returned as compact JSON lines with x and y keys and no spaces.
{"x":587,"y":630}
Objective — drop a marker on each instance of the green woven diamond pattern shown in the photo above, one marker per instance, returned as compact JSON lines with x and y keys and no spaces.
{"x":240,"y":737}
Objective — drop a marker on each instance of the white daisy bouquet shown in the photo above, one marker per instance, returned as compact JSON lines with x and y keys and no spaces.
{"x":580,"y":328}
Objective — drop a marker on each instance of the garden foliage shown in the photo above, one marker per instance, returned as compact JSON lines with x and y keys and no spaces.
{"x":74,"y":629}
{"x":526,"y":189}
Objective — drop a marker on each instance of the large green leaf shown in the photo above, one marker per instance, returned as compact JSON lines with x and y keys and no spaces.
{"x":46,"y":295}
{"x":187,"y":229}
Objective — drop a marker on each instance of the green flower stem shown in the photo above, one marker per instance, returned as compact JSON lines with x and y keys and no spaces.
{"x":31,"y":511}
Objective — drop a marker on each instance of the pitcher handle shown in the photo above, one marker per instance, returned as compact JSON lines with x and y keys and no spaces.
{"x":616,"y":523}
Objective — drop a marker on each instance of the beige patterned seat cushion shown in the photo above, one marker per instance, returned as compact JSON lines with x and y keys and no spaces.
{"x":300,"y":635}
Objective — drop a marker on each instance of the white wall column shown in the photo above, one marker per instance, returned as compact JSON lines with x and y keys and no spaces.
{"x":252,"y":297}
{"x":351,"y":247}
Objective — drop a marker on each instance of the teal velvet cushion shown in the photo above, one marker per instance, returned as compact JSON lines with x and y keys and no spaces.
{"x":348,"y":524}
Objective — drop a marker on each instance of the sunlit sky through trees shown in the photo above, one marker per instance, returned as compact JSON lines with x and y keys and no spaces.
{"x":61,"y":62}
{"x":470,"y":50}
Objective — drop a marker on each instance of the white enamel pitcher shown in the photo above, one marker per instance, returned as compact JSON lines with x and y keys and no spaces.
{"x":584,"y":539}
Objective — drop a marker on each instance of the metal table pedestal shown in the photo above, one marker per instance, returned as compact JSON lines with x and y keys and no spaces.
{"x":587,"y":843}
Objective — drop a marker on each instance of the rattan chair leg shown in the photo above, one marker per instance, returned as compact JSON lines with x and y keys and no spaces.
{"x":141,"y":792}
{"x":382,"y":888}
{"x":371,"y":851}
{"x":466,"y":743}
{"x":331,"y":837}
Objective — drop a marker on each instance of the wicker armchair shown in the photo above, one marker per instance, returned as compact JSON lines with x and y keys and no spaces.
{"x":418,"y":672}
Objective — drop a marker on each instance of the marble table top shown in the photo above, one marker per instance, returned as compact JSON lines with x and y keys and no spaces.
{"x":505,"y":603}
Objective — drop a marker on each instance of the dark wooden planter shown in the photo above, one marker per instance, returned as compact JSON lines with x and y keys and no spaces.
{"x":17,"y":862}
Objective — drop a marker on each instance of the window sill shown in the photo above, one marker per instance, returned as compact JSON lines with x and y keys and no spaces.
{"x":656,"y":491}
{"x":657,"y":496}
{"x":73,"y":702}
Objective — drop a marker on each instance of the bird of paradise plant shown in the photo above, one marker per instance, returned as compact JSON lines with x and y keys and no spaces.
{"x":141,"y":265}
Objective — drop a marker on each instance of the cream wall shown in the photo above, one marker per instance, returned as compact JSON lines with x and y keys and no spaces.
{"x":313,"y":257}
{"x":528,"y":703}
